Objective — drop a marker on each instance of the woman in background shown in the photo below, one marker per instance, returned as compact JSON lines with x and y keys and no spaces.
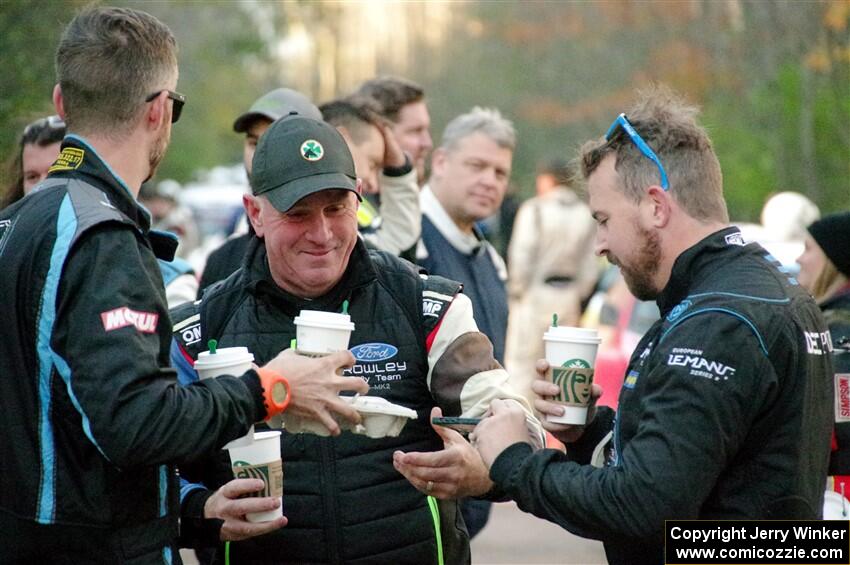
{"x":825,"y":272}
{"x":37,"y":150}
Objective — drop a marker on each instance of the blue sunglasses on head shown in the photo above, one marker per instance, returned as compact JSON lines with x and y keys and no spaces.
{"x":623,"y":122}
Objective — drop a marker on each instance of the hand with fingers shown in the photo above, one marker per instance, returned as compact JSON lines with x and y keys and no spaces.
{"x":544,"y":389}
{"x":226,"y":505}
{"x":504,"y":426}
{"x":393,"y":154}
{"x":454,"y":472}
{"x":316,"y":383}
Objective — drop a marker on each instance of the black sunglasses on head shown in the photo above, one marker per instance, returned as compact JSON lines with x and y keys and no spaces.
{"x":179,"y":100}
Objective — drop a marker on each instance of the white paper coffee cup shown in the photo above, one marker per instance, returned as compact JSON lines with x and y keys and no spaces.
{"x":232,"y":361}
{"x":571,"y":352}
{"x":260,"y":460}
{"x":320,"y":333}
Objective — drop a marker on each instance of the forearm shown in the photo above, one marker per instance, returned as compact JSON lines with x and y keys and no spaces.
{"x":401,"y":217}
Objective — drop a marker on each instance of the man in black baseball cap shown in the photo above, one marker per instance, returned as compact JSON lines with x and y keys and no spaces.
{"x":303,"y":171}
{"x":302,"y":156}
{"x":415,"y":341}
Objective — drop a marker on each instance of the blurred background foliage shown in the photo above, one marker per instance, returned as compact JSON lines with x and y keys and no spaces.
{"x":772,"y":77}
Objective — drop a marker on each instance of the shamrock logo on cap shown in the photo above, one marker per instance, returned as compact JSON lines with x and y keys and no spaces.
{"x":312,"y":150}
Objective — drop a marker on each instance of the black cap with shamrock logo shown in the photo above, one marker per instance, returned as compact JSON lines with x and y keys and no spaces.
{"x":299,"y":156}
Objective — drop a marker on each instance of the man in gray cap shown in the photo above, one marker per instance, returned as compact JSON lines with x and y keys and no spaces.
{"x":266,"y":109}
{"x":415,"y":342}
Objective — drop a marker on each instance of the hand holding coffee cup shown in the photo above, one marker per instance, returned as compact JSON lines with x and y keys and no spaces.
{"x":233,"y":501}
{"x":571,"y":354}
{"x":261,"y":460}
{"x":544,"y":389}
{"x":316,"y":384}
{"x":316,"y":405}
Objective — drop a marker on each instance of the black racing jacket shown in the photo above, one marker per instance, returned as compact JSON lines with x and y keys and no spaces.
{"x":345,"y":501}
{"x":725,"y":412}
{"x":93,"y":415}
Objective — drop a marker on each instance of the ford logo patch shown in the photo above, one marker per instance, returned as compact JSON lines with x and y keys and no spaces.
{"x":374,"y":351}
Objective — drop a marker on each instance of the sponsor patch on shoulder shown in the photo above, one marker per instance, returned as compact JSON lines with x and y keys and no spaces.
{"x":432,"y":307}
{"x":69,"y":159}
{"x":123,"y":317}
{"x":191,"y":334}
{"x":735,"y":239}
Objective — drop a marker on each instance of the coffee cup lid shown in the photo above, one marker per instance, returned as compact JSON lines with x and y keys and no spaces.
{"x":572,"y":335}
{"x":320,"y":319}
{"x":223,"y":357}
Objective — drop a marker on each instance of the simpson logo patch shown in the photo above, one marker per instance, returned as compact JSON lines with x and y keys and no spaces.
{"x":71,"y":158}
{"x":842,"y":398}
{"x":122,"y":317}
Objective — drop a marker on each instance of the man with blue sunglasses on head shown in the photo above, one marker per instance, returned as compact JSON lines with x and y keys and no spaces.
{"x":726,"y":407}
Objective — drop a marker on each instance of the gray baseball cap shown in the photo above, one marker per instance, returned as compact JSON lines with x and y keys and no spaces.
{"x":299,"y":156}
{"x":276,"y":104}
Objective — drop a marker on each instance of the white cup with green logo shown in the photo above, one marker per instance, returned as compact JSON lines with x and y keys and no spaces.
{"x":571,"y":352}
{"x":232,"y":361}
{"x":260,"y":460}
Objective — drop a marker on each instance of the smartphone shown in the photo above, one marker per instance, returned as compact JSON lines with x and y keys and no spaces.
{"x":462,"y":425}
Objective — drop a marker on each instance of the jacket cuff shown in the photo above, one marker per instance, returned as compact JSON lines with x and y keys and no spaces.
{"x":195,"y":530}
{"x":400,"y":171}
{"x":507,"y":461}
{"x":581,"y":451}
{"x":252,"y":381}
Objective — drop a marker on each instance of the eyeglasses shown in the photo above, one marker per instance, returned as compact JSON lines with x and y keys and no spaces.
{"x":179,"y":100}
{"x":50,"y":122}
{"x":623,"y":122}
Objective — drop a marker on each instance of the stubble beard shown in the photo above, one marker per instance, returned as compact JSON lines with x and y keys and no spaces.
{"x":157,"y":154}
{"x":640,"y":273}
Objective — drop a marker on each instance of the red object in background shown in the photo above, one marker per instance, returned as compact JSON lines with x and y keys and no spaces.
{"x":612,"y":359}
{"x":609,"y":373}
{"x":623,"y":320}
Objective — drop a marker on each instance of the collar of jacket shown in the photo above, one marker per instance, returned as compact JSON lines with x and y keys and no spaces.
{"x":98,"y":172}
{"x":468,"y":244}
{"x":838,"y":301}
{"x":259,"y":282}
{"x":689,"y":265}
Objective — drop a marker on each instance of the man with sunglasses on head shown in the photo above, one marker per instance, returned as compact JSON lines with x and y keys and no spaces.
{"x":94,"y":416}
{"x":726,"y":408}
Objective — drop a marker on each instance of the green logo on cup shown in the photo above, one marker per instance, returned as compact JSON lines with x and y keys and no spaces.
{"x":270,"y":473}
{"x":576,"y":364}
{"x":574,"y":378}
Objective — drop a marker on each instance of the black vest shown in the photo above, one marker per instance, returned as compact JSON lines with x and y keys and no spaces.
{"x":344,"y":500}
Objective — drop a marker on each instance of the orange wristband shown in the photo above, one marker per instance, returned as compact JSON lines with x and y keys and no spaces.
{"x":276,"y":392}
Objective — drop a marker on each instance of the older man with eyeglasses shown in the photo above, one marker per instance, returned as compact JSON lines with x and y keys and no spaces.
{"x":726,"y":408}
